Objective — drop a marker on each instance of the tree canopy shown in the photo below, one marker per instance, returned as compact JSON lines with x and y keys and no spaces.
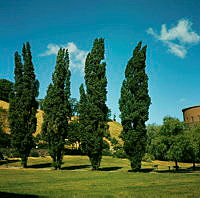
{"x":92,"y":108}
{"x":57,"y":110}
{"x":23,"y":105}
{"x":134,"y":106}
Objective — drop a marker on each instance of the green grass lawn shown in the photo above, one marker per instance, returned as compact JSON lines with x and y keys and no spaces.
{"x":113,"y":180}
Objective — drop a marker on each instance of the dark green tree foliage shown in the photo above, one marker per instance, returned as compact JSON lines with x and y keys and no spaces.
{"x":74,"y":106}
{"x":57,"y":111}
{"x":134,"y":106}
{"x":40,"y":103}
{"x":92,"y":108}
{"x":6,"y":88}
{"x":23,"y":105}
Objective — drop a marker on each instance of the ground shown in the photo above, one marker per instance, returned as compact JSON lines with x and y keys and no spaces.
{"x":76,"y":179}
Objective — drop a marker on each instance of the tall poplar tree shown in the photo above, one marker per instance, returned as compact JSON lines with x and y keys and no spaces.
{"x":57,"y":111}
{"x":92,"y":108}
{"x":134,"y":106}
{"x":23,"y":105}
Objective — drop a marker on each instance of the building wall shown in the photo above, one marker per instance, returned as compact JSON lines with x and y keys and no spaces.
{"x":191,"y":114}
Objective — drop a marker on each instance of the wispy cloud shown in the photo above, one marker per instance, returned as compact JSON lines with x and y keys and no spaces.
{"x":182,"y":100}
{"x":178,"y":38}
{"x":77,"y":56}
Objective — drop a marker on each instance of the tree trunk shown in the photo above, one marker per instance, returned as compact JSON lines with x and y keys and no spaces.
{"x":24,"y":162}
{"x":194,"y":167}
{"x":135,"y":166}
{"x":176,"y":165}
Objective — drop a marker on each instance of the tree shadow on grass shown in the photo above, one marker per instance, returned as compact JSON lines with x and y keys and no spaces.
{"x":181,"y":170}
{"x":114,"y":168}
{"x":197,"y":168}
{"x":75,"y":167}
{"x":174,"y":171}
{"x":13,"y":195}
{"x":45,"y":165}
{"x":142,"y":170}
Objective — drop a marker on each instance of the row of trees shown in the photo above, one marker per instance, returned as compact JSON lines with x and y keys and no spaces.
{"x":92,"y":109}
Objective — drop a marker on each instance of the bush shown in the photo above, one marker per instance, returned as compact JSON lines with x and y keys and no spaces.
{"x":9,"y":152}
{"x":119,"y":152}
{"x":1,"y":156}
{"x":148,"y":157}
{"x":34,"y":154}
{"x":106,"y":152}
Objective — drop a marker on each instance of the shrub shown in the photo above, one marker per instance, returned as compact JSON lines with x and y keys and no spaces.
{"x":148,"y":157}
{"x":34,"y":154}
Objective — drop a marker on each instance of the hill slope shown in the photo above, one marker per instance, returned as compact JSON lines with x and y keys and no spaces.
{"x":115,"y":128}
{"x":4,"y":118}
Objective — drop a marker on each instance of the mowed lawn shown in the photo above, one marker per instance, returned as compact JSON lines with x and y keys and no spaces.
{"x":113,"y":180}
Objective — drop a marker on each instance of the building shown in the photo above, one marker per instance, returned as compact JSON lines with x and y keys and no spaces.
{"x":191,"y":114}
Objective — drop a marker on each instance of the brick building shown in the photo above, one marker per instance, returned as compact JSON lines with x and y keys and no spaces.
{"x":191,"y":114}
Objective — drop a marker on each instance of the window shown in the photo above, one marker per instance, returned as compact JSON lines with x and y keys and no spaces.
{"x":192,"y":119}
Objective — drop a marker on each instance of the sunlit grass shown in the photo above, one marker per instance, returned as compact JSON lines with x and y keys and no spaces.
{"x":113,"y":180}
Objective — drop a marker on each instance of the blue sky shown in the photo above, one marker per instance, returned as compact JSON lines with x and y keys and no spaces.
{"x":170,"y":29}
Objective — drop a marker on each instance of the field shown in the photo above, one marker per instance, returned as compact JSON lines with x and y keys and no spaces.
{"x":113,"y":180}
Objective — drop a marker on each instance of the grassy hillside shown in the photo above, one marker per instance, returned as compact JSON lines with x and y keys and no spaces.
{"x":114,"y":127}
{"x":4,"y":118}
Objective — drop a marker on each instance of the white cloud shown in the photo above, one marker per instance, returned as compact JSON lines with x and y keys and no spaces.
{"x":176,"y":49}
{"x":178,"y":39}
{"x":77,"y":56}
{"x":52,"y":49}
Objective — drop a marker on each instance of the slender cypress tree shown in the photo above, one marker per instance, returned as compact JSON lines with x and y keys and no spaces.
{"x":93,"y":110}
{"x":134,"y":106}
{"x":23,"y":105}
{"x":57,"y":111}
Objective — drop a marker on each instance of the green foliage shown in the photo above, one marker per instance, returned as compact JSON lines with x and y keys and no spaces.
{"x":74,"y":106}
{"x":34,"y":154}
{"x":169,"y":142}
{"x":134,"y":106}
{"x":148,"y":158}
{"x":119,"y":152}
{"x":57,"y":109}
{"x":114,"y":117}
{"x":4,"y":139}
{"x":40,"y":104}
{"x":193,"y":135}
{"x":179,"y":148}
{"x":153,"y":131}
{"x":74,"y":132}
{"x":92,"y":108}
{"x":171,"y":126}
{"x":23,"y":105}
{"x":158,"y":147}
{"x":6,"y":88}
